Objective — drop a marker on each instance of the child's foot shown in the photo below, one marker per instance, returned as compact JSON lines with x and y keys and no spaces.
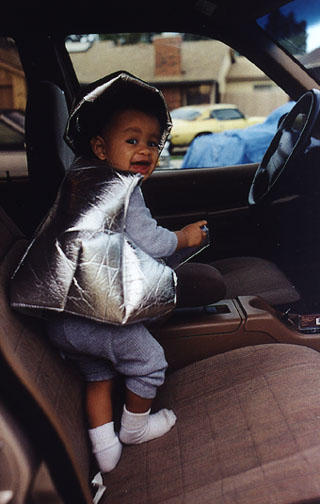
{"x":138,"y":428}
{"x":106,"y":446}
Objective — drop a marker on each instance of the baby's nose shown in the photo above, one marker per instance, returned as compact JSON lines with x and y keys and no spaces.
{"x":145,"y":148}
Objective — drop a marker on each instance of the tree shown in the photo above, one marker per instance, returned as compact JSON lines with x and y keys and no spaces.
{"x":289,"y":32}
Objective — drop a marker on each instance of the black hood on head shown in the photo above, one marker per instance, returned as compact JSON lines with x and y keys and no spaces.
{"x":98,"y":101}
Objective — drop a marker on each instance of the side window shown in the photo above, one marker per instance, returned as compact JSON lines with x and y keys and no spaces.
{"x":201,"y":79}
{"x":13,"y":95}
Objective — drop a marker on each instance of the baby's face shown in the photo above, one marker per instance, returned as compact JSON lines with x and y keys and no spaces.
{"x":130,"y":142}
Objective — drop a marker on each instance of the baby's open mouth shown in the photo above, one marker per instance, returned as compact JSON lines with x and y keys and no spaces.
{"x":141,"y":163}
{"x":140,"y":166}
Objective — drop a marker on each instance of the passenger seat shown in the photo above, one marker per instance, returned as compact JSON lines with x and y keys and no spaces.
{"x":43,"y":393}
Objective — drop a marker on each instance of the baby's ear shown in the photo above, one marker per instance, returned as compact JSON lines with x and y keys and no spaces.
{"x":98,"y":147}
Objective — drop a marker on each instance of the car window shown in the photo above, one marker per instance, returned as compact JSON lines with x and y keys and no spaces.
{"x":13,"y":162}
{"x":192,"y":71}
{"x":226,"y":114}
{"x":9,"y":138}
{"x":185,"y":114}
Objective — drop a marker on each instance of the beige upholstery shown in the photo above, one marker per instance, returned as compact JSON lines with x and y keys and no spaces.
{"x":42,"y":390}
{"x":248,"y":431}
{"x":245,"y":276}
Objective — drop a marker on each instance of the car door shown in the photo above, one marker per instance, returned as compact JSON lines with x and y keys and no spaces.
{"x":219,"y":195}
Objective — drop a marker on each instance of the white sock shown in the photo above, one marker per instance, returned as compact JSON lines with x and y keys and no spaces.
{"x":106,"y":446}
{"x":138,"y":428}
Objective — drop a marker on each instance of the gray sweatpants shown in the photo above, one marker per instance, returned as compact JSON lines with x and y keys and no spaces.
{"x":101,"y":351}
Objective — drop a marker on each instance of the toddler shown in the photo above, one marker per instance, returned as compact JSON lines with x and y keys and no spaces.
{"x":119,"y":125}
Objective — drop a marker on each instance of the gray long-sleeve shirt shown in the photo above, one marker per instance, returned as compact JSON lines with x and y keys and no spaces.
{"x":144,"y":230}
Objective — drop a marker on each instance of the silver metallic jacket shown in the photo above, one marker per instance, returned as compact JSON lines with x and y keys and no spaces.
{"x":81,"y":260}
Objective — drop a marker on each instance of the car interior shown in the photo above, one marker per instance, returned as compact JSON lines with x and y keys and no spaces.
{"x":243,"y":375}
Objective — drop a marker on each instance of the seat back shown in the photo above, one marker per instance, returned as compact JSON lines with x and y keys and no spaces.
{"x":48,"y":155}
{"x":41,"y":389}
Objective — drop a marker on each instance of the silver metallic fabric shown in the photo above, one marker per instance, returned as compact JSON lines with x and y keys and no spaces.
{"x":83,"y":262}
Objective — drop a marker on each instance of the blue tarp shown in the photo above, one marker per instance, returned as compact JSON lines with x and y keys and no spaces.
{"x":234,"y":147}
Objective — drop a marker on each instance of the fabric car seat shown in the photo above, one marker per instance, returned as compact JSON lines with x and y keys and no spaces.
{"x":247,"y":432}
{"x":43,"y":393}
{"x":245,"y":276}
{"x":48,"y":154}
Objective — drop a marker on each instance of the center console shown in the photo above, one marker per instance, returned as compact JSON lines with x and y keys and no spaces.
{"x":193,"y":334}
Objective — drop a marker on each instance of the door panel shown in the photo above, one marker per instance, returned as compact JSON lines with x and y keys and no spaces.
{"x":219,"y":195}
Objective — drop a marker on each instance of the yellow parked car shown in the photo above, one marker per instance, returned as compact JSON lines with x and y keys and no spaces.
{"x":194,"y":120}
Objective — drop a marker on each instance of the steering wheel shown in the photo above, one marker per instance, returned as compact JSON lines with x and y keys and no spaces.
{"x":290,"y":140}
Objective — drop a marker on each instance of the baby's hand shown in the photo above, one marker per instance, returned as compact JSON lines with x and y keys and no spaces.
{"x":191,"y":235}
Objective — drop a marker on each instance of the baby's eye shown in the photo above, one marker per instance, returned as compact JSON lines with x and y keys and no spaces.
{"x":132,"y":141}
{"x":154,"y":144}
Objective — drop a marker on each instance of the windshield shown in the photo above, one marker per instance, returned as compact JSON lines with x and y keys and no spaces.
{"x":296,"y":27}
{"x":186,"y":114}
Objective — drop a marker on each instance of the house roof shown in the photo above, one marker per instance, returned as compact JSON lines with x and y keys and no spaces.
{"x":103,"y":58}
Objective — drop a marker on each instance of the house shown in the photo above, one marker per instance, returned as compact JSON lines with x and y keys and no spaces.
{"x":251,"y":90}
{"x":187,"y":72}
{"x":13,"y":91}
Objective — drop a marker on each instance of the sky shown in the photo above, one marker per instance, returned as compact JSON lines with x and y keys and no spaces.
{"x":313,"y":40}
